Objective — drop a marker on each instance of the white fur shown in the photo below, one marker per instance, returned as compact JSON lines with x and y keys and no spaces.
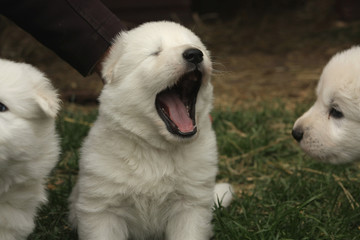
{"x":327,"y":138}
{"x":223,"y":194}
{"x":137,"y":180}
{"x":28,"y":145}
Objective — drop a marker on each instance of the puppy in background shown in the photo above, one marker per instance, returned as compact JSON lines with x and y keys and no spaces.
{"x":28,"y":145}
{"x":330,"y":129}
{"x":148,"y":166}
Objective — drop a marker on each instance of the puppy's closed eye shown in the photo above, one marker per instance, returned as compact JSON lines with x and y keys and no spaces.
{"x":3,"y":108}
{"x":337,"y":114}
{"x":156,"y":53}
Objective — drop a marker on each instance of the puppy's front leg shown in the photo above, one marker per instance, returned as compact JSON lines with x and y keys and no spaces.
{"x":104,"y":226}
{"x":9,"y":235}
{"x":18,"y":210}
{"x":15,"y":224}
{"x":190,"y":224}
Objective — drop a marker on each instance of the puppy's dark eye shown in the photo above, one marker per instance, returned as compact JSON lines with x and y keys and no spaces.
{"x":335,"y":113}
{"x":3,"y":108}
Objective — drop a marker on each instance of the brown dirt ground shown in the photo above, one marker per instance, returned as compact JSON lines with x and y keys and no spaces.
{"x":258,"y":56}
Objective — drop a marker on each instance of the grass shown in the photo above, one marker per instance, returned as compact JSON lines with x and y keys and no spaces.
{"x":279,"y":192}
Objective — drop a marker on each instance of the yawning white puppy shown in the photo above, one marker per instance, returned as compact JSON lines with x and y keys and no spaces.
{"x":28,"y":145}
{"x":148,"y":166}
{"x":330,"y":129}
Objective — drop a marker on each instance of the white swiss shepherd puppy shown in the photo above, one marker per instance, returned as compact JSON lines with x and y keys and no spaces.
{"x":28,"y":145}
{"x":330,"y":129}
{"x":148,"y":166}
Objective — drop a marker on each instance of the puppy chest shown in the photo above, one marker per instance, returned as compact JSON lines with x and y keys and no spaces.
{"x":146,"y":215}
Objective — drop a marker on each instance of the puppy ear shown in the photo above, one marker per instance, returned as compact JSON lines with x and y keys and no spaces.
{"x":47,"y":98}
{"x":110,"y":61}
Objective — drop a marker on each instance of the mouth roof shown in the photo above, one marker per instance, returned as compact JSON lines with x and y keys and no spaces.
{"x":176,"y":105}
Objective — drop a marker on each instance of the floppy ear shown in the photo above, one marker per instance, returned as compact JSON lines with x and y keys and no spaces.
{"x":47,"y":98}
{"x":110,"y":61}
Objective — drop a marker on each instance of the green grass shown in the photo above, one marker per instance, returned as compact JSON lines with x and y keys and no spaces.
{"x":279,"y":192}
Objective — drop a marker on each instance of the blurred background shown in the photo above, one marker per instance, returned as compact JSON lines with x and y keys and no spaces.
{"x":262,"y":50}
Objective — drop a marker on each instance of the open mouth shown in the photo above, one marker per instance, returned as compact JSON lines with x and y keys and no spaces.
{"x":176,"y":105}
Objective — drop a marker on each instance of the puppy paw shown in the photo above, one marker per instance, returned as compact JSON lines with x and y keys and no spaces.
{"x":223,"y":194}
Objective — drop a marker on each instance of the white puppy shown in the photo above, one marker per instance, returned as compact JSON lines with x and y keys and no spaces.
{"x":148,"y":166}
{"x":28,"y":145}
{"x":330,"y":129}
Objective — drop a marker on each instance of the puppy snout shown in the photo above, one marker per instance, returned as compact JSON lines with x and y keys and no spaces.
{"x":297,"y":133}
{"x":193,"y":55}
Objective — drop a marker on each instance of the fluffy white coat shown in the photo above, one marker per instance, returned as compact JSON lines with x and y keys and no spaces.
{"x":330,"y":129}
{"x":28,"y":145}
{"x":137,"y":180}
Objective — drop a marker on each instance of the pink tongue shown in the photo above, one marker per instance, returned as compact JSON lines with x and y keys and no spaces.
{"x":177,"y":111}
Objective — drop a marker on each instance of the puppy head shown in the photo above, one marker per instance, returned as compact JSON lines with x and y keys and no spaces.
{"x":330,"y":129}
{"x":158,"y":82}
{"x":27,"y":101}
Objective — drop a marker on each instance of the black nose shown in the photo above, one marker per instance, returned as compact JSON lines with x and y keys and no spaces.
{"x":298,"y":134}
{"x":193,"y":55}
